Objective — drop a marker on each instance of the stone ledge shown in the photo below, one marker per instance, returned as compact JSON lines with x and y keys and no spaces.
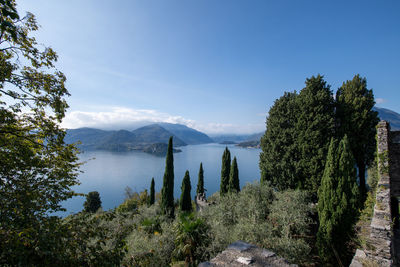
{"x":243,"y":254}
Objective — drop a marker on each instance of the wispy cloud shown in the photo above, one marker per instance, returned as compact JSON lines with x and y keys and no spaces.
{"x":128,"y":118}
{"x":118,"y":116}
{"x":380,"y":100}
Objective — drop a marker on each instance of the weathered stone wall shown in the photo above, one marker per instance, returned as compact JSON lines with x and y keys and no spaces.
{"x":381,"y":225}
{"x":383,"y":240}
{"x":394,"y":158}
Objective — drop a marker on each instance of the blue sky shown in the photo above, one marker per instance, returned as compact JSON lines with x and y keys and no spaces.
{"x":215,"y":65}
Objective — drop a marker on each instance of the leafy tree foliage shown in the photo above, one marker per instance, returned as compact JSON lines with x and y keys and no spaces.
{"x":234,"y":184}
{"x":129,"y":205}
{"x":225,"y":169}
{"x":200,"y":183}
{"x":133,"y":201}
{"x":338,"y":201}
{"x":37,"y":169}
{"x":185,"y":202}
{"x":279,"y":156}
{"x":152,"y":192}
{"x":93,"y":202}
{"x":92,"y":240}
{"x":358,"y":121}
{"x":167,"y":191}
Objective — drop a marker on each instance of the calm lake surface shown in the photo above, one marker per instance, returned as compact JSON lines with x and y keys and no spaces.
{"x":110,"y":172}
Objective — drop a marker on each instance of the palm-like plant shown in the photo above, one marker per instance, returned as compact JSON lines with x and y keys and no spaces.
{"x":192,"y":239}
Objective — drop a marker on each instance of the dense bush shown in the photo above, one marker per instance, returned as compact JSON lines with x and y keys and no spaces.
{"x":290,"y":220}
{"x":129,"y":205}
{"x":93,"y":202}
{"x":151,"y":241}
{"x":261,"y":216}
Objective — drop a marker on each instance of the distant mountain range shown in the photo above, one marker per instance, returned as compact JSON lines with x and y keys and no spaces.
{"x":151,"y":139}
{"x":188,"y":135}
{"x":389,"y":115}
{"x":154,"y":138}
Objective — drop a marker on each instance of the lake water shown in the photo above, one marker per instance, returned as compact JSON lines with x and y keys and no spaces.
{"x":110,"y":172}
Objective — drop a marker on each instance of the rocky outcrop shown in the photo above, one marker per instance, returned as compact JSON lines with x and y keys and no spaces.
{"x":244,"y":254}
{"x":201,"y":201}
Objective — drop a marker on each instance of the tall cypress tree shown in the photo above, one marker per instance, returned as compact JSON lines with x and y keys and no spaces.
{"x":185,"y":202}
{"x":167,"y":191}
{"x":225,"y":169}
{"x":152,"y":192}
{"x":200,"y":182}
{"x":234,"y":185}
{"x":337,"y":201}
{"x":357,"y":120}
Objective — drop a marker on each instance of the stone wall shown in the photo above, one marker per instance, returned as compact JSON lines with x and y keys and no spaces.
{"x":394,"y":157}
{"x":383,"y":239}
{"x":381,"y":225}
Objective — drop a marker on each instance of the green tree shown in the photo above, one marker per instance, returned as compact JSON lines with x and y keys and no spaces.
{"x":280,"y":152}
{"x":337,"y":202}
{"x":358,"y":121}
{"x":225,"y":169}
{"x":93,"y":202}
{"x":294,"y":145}
{"x":200,"y":182}
{"x":234,"y":184}
{"x":185,"y":202}
{"x":152,"y":192}
{"x":37,"y":169}
{"x":167,"y":191}
{"x":314,"y":126}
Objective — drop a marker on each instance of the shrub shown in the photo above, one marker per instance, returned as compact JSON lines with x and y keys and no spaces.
{"x":191,"y":239}
{"x":93,"y":202}
{"x":290,"y":225}
{"x":150,"y":250}
{"x":259,"y":215}
{"x":129,"y":205}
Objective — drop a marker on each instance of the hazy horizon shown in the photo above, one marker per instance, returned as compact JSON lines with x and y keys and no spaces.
{"x":132,"y":127}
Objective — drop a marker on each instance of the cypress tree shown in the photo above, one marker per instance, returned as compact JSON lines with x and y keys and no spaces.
{"x":225,"y":169}
{"x":294,"y":146}
{"x":337,"y":201}
{"x":278,"y":166}
{"x":357,"y":120}
{"x":152,"y":192}
{"x":167,"y":191}
{"x":234,"y":185}
{"x":200,"y":182}
{"x":314,"y":126}
{"x":185,"y":202}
